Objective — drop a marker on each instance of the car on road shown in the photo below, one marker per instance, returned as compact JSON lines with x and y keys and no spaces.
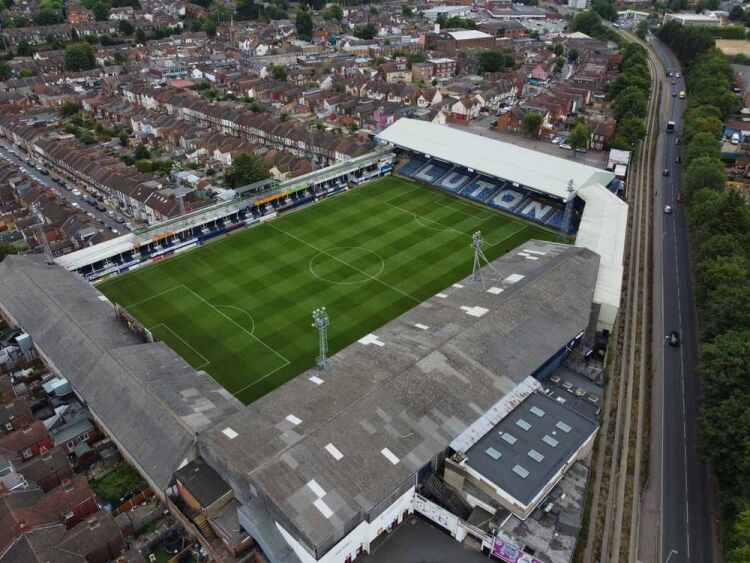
{"x":120,"y":220}
{"x":556,"y":140}
{"x":76,"y":192}
{"x":673,"y":338}
{"x":75,"y":204}
{"x":677,"y":75}
{"x":668,"y":209}
{"x":678,"y":159}
{"x":666,"y":172}
{"x":566,"y":146}
{"x":674,"y":93}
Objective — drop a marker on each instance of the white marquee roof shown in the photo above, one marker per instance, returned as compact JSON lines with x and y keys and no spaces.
{"x":541,"y":172}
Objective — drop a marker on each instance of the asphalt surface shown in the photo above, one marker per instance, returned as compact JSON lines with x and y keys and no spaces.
{"x":686,"y":529}
{"x":13,"y":155}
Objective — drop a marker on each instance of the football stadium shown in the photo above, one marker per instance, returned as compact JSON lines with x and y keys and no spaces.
{"x":240,"y":308}
{"x":380,"y":338}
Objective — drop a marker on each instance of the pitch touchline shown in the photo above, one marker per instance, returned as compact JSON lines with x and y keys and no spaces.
{"x":142,"y":301}
{"x":206,"y":361}
{"x":337,"y":259}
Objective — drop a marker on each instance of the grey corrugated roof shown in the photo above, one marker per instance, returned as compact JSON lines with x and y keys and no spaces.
{"x":541,"y":172}
{"x":438,"y":370}
{"x":529,"y":437}
{"x":145,"y":395}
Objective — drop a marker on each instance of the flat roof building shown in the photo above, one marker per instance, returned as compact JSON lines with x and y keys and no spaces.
{"x":518,"y":462}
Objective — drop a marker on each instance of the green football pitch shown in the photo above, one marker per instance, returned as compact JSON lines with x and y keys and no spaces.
{"x":240,"y":308}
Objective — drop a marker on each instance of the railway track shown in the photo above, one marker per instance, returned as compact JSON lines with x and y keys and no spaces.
{"x":614,"y":516}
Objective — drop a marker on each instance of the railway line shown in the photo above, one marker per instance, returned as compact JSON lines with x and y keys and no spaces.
{"x":614,"y":517}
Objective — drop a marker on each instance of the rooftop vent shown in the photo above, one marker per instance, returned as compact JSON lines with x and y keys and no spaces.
{"x":520,"y":471}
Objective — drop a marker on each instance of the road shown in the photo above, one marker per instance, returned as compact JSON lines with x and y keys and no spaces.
{"x":682,"y":485}
{"x":13,"y":155}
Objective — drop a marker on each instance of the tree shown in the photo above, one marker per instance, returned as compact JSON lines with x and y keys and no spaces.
{"x":737,"y":13}
{"x":209,"y":26}
{"x":406,"y":11}
{"x":24,"y":49}
{"x":587,"y":22}
{"x":5,"y":71}
{"x":631,"y":101}
{"x":630,"y":131}
{"x":532,"y":122}
{"x":573,"y":55}
{"x":246,"y":169}
{"x":69,"y":109}
{"x":79,"y":56}
{"x":366,"y":32}
{"x":641,"y":29}
{"x":140,"y":36}
{"x":278,"y":72}
{"x":304,"y":24}
{"x":704,"y":172}
{"x":125,"y":27}
{"x":7,"y":250}
{"x":579,"y":137}
{"x":715,"y":272}
{"x":101,"y":11}
{"x":247,"y":10}
{"x":123,"y":137}
{"x":558,"y":49}
{"x":47,"y":17}
{"x":141,"y":152}
{"x":702,"y":144}
{"x":605,"y":9}
{"x":334,"y":12}
{"x":739,"y":548}
{"x":495,"y":60}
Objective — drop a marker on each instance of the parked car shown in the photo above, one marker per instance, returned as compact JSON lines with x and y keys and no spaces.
{"x":566,"y":146}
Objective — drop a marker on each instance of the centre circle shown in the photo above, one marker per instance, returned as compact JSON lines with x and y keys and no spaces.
{"x":346,"y":265}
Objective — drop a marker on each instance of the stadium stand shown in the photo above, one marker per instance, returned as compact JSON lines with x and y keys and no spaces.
{"x":503,"y":176}
{"x":495,"y":193}
{"x":137,"y":249}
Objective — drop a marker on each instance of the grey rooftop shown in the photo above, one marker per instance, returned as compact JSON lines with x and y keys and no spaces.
{"x":529,"y":446}
{"x":331,"y":449}
{"x":146,"y":396}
